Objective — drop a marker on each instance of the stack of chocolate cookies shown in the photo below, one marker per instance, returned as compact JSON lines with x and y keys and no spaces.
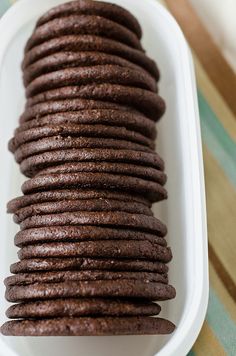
{"x":93,"y":258}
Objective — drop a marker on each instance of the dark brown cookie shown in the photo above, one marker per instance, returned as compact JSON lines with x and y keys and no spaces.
{"x":81,"y":307}
{"x":67,"y":142}
{"x":73,"y":194}
{"x":59,"y":142}
{"x":83,"y":131}
{"x":150,"y":190}
{"x":115,"y":218}
{"x":59,"y":106}
{"x":147,"y":102}
{"x":81,"y":233}
{"x":78,"y":43}
{"x":105,"y":289}
{"x":117,"y":168}
{"x":63,"y":60}
{"x":23,"y":279}
{"x":86,"y":7}
{"x":80,"y":264}
{"x":109,"y":73}
{"x":88,"y":326}
{"x":132,"y":249}
{"x":80,"y":205}
{"x":32,"y":165}
{"x":130,"y":120}
{"x":82,"y":25}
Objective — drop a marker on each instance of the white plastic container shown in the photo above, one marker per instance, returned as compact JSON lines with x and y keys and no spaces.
{"x":179,"y":143}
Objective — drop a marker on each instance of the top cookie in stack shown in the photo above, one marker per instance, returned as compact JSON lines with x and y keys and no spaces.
{"x":93,"y":257}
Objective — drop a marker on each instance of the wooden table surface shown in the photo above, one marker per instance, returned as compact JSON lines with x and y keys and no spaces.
{"x":217,"y":104}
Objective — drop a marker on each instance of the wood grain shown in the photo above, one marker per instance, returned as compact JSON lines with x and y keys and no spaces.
{"x":207,"y":344}
{"x":221,"y":202}
{"x":222,"y":293}
{"x":215,"y":99}
{"x":207,"y":51}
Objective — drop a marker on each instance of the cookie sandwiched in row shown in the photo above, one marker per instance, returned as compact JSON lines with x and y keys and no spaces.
{"x":93,"y":258}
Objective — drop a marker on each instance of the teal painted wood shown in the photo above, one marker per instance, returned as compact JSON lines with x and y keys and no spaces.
{"x":221,"y":323}
{"x":217,"y":140}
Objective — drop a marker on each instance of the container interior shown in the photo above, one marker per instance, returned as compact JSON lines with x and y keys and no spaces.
{"x":161,"y":43}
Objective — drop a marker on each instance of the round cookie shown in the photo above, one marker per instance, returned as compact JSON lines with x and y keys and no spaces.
{"x":130,"y":120}
{"x":144,"y":101}
{"x":83,"y":131}
{"x":89,"y":326}
{"x":115,"y":218}
{"x":120,"y":168}
{"x":59,"y":106}
{"x":71,"y":194}
{"x":81,"y":233}
{"x":23,"y":279}
{"x":82,"y":43}
{"x":81,"y":307}
{"x":104,"y":248}
{"x":82,"y":25}
{"x":59,"y":142}
{"x":78,"y":264}
{"x":33,"y":164}
{"x":109,"y":73}
{"x":68,"y":59}
{"x":85,"y":7}
{"x":80,"y":205}
{"x":148,"y":189}
{"x":104,"y":289}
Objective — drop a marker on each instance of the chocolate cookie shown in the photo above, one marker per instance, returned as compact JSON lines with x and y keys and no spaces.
{"x":23,"y":279}
{"x":78,"y":264}
{"x":80,"y":205}
{"x":145,"y":101}
{"x":81,"y":307}
{"x":82,"y":25}
{"x":59,"y":106}
{"x":130,"y":120}
{"x":32,"y":165}
{"x":148,"y":189}
{"x":73,"y":194}
{"x":109,"y":73}
{"x":65,"y":59}
{"x":105,"y":289}
{"x":84,"y":131}
{"x":81,"y":233}
{"x":88,"y":326}
{"x":67,"y":142}
{"x":117,"y":168}
{"x":86,"y":7}
{"x":115,"y":218}
{"x":132,"y":249}
{"x":82,"y":43}
{"x":55,"y":143}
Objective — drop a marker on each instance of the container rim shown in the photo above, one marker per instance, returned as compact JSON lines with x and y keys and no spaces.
{"x":190,"y":325}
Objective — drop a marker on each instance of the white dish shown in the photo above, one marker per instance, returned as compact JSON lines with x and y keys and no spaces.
{"x":179,"y":143}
